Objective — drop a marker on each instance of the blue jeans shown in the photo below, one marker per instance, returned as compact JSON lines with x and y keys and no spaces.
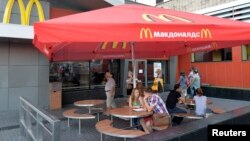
{"x":136,"y":122}
{"x":192,"y":90}
{"x":176,"y":120}
{"x":176,"y":110}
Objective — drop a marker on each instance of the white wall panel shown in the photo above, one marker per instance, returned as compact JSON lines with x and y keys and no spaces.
{"x":4,"y":76}
{"x":3,"y":99}
{"x":43,"y":96}
{"x":23,"y":76}
{"x":43,"y":76}
{"x":30,"y":93}
{"x":23,"y":54}
{"x":4,"y":53}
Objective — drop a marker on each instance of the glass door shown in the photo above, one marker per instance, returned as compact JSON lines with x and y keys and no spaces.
{"x":140,"y":70}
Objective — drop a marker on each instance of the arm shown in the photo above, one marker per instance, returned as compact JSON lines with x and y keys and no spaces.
{"x":192,"y":81}
{"x":181,"y":99}
{"x":113,"y":86}
{"x":179,"y":81}
{"x":113,"y":89}
{"x":161,"y":81}
{"x":194,"y":99}
{"x":148,"y":107}
{"x":142,"y":102}
{"x":130,"y":102}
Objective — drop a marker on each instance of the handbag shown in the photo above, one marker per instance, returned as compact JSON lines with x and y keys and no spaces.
{"x":161,"y":119}
{"x":154,"y":87}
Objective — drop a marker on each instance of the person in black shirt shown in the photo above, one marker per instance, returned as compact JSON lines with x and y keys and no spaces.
{"x":173,"y":98}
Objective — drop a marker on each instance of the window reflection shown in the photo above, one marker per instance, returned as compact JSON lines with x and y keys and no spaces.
{"x":84,"y":75}
{"x":150,"y":70}
{"x":246,"y":52}
{"x":214,"y":56}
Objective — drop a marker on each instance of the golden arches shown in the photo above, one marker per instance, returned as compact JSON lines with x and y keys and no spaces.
{"x":25,"y":13}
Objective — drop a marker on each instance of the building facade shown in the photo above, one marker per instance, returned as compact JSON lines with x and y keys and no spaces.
{"x":221,"y":68}
{"x":24,"y":71}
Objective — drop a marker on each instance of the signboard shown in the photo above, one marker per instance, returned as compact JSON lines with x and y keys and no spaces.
{"x":157,"y":65}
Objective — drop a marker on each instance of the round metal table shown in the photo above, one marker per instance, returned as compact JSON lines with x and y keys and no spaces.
{"x":127,"y":112}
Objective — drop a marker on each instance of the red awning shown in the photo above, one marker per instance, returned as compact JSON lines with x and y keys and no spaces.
{"x":155,"y":33}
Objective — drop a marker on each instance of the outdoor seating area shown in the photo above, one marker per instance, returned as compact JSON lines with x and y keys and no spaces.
{"x":91,"y":133}
{"x":105,"y":127}
{"x":71,"y":114}
{"x":88,"y":70}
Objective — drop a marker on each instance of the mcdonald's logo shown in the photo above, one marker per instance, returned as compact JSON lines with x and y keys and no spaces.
{"x":205,"y":33}
{"x":114,"y":45}
{"x":164,"y":17}
{"x":24,"y":12}
{"x":145,"y":33}
{"x":214,"y":45}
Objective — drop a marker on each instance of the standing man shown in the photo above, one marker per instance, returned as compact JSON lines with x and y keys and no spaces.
{"x":190,"y":89}
{"x":195,"y":82}
{"x":110,"y":92}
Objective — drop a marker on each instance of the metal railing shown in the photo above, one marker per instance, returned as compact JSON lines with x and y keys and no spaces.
{"x":36,"y":124}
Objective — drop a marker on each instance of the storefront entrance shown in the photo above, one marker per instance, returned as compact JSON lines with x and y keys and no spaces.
{"x":140,"y":70}
{"x":145,"y":70}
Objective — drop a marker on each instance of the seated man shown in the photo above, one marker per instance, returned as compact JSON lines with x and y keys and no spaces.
{"x":173,"y":98}
{"x":154,"y":103}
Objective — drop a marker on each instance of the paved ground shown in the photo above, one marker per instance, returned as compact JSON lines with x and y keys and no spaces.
{"x":9,"y":128}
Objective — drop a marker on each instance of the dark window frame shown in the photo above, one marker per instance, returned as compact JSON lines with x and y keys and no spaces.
{"x":225,"y":54}
{"x":114,"y":66}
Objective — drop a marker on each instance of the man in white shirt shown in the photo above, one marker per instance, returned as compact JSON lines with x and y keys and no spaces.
{"x":195,"y":82}
{"x":110,"y":92}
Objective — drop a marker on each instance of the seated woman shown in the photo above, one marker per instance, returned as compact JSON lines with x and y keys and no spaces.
{"x":136,"y":101}
{"x":200,"y":103}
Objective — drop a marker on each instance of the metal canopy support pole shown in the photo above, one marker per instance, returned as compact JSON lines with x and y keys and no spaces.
{"x":79,"y":126}
{"x":89,"y":110}
{"x":131,"y":122}
{"x":133,"y":63}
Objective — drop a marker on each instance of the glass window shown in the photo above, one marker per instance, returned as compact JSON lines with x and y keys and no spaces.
{"x":84,"y":75}
{"x":150,"y":70}
{"x":213,"y":56}
{"x":246,"y":52}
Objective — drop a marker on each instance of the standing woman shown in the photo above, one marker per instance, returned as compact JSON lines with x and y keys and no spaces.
{"x":158,"y":82}
{"x":183,"y":83}
{"x":129,"y":82}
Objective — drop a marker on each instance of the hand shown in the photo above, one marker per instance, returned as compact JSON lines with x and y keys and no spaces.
{"x":145,"y":97}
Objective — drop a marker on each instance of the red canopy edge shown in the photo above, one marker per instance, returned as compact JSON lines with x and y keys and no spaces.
{"x":155,"y":32}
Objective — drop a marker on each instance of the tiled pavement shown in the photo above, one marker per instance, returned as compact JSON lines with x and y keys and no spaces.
{"x":9,"y":128}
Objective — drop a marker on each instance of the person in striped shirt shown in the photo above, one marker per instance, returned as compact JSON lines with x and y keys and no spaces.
{"x":152,"y":102}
